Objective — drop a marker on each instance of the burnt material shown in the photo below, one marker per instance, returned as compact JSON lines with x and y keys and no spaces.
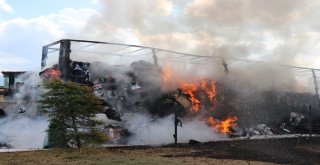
{"x":2,"y":113}
{"x":4,"y":145}
{"x":193,"y":142}
{"x":80,"y":72}
{"x":112,"y":114}
{"x":167,"y":104}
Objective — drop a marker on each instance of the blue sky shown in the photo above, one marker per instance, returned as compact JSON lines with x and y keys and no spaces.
{"x":23,"y":29}
{"x":35,"y":8}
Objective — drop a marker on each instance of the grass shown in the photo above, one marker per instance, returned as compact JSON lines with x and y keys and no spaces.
{"x":102,"y":156}
{"x":84,"y":156}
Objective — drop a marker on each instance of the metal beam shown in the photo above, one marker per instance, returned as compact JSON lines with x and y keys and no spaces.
{"x":44,"y":56}
{"x":64,"y":59}
{"x":155,"y":58}
{"x":175,"y":52}
{"x":316,"y":87}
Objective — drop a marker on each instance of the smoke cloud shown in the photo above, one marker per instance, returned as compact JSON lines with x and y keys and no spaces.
{"x":160,"y":131}
{"x":23,"y":132}
{"x":24,"y":127}
{"x":284,"y":31}
{"x":281,"y":31}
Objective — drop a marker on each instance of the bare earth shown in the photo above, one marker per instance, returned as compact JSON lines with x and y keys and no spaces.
{"x":298,"y":151}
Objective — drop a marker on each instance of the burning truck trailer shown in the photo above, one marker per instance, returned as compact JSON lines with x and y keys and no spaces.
{"x":210,"y":101}
{"x":138,"y":95}
{"x":119,"y":97}
{"x":139,"y":90}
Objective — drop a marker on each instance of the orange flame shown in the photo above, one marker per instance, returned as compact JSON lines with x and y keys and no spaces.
{"x":54,"y":74}
{"x":209,"y":89}
{"x":166,"y":73}
{"x":190,"y":89}
{"x":51,"y":74}
{"x":166,"y":76}
{"x":223,"y":126}
{"x":202,"y":91}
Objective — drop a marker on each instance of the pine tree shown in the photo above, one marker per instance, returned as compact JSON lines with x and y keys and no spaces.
{"x":71,"y":108}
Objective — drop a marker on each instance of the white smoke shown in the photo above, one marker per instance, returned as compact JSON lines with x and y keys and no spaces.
{"x":160,"y":131}
{"x":282,"y":31}
{"x":23,"y":132}
{"x":23,"y":127}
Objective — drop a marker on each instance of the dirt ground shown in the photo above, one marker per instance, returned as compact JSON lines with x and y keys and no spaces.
{"x":300,"y":151}
{"x":297,"y":151}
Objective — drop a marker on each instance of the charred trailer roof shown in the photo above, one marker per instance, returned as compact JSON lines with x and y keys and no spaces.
{"x":69,"y":70}
{"x":64,"y":57}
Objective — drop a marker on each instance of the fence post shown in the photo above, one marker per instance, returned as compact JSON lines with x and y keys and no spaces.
{"x":310,"y":122}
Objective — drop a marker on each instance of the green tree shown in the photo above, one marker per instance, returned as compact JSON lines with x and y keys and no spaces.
{"x":71,"y":108}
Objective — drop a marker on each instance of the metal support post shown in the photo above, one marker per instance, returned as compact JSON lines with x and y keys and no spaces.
{"x":64,"y":59}
{"x":316,"y":85}
{"x":44,"y":56}
{"x":310,"y":122}
{"x":175,"y":124}
{"x":155,"y":58}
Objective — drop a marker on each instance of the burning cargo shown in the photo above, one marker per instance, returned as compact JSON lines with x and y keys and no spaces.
{"x":146,"y":87}
{"x":142,"y":95}
{"x":138,"y":88}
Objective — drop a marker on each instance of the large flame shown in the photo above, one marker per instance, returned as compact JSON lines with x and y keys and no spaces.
{"x":224,"y":126}
{"x":210,"y":89}
{"x":190,"y":89}
{"x":203,"y":96}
